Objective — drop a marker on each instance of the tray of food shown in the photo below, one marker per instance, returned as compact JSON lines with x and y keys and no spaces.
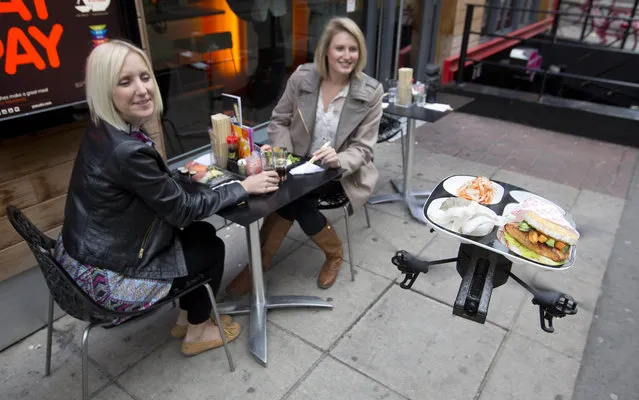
{"x":509,"y":220}
{"x":207,"y":174}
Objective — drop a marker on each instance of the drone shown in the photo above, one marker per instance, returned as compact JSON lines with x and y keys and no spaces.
{"x":481,"y":272}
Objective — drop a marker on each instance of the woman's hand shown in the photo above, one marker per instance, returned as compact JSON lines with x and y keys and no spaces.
{"x":264,"y":182}
{"x":327,"y":156}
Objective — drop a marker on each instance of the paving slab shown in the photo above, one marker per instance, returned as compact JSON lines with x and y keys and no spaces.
{"x":351,"y":299}
{"x":167,"y":374}
{"x":398,"y":208}
{"x":435,"y":167}
{"x":388,"y":156}
{"x":518,"y":372}
{"x":332,"y":380}
{"x":562,"y":195}
{"x":374,"y":247}
{"x":598,"y":210}
{"x":22,"y":370}
{"x":113,"y":392}
{"x":117,"y":349}
{"x":570,"y":334}
{"x":416,"y":347}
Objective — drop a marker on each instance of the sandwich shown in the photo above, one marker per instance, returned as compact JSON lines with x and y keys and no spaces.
{"x":540,"y":239}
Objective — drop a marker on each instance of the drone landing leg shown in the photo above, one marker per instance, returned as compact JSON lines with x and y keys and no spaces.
{"x":552,"y":304}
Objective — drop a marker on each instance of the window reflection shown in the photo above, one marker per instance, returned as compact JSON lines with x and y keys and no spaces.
{"x":201,"y":49}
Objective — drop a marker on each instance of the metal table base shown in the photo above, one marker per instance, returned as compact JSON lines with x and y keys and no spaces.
{"x":258,"y":304}
{"x":403,"y":187}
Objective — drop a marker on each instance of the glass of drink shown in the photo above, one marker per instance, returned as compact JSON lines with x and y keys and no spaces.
{"x":392,"y":90}
{"x":253,"y":164}
{"x":419,"y":94}
{"x":268,"y":160}
{"x":280,"y":155}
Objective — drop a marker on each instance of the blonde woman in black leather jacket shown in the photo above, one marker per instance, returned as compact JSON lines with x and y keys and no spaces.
{"x":121,"y":239}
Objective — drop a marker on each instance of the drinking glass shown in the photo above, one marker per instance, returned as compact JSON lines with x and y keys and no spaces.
{"x":253,"y":164}
{"x":268,"y":160}
{"x":419,"y":95}
{"x":392,"y":90}
{"x":281,"y":157}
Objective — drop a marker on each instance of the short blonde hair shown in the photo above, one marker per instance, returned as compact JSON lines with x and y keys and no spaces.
{"x":333,"y":27}
{"x":102,"y":73}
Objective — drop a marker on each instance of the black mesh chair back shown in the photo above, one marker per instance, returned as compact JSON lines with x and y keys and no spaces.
{"x":66,"y":293}
{"x":75,"y":302}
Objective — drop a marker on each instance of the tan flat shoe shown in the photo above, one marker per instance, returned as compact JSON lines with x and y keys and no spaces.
{"x":179,"y":331}
{"x":231,"y":332}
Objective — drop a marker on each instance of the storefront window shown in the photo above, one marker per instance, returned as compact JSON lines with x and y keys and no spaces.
{"x":247,"y":48}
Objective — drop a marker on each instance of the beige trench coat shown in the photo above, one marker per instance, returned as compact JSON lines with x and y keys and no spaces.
{"x":293,"y":122}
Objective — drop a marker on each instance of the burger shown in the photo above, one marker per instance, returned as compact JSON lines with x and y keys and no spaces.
{"x":540,"y":239}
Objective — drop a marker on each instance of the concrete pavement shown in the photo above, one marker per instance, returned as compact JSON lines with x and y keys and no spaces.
{"x":380,"y":341}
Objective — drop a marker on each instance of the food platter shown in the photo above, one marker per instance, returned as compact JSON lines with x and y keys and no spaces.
{"x":503,"y":207}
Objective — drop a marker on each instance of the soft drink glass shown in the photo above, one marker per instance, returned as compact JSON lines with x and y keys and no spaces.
{"x":280,"y":155}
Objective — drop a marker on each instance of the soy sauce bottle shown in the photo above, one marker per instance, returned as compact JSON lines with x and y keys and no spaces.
{"x":432,"y":81}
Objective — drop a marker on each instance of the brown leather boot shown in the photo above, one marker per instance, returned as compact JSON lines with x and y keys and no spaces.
{"x":272,"y":235}
{"x":331,"y":245}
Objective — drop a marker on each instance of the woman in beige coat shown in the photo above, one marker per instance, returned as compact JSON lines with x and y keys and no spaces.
{"x":331,"y":110}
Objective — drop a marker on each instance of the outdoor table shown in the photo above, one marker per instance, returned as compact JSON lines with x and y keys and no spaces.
{"x":413,"y":113}
{"x":259,"y":303}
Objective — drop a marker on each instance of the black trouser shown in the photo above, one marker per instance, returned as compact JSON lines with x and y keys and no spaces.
{"x":204,"y":254}
{"x":304,"y":210}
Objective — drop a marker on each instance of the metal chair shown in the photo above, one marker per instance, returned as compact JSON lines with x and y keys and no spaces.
{"x":340,"y":200}
{"x":71,"y":299}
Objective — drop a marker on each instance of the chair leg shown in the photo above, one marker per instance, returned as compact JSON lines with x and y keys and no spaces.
{"x":85,"y":361}
{"x":220,"y":326}
{"x":368,"y":219}
{"x":47,"y":366}
{"x":348,"y":242}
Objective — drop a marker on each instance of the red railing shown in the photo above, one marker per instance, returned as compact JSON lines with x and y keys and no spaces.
{"x":484,"y":50}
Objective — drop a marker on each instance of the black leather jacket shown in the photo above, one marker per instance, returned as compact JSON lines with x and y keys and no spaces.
{"x":123,"y":208}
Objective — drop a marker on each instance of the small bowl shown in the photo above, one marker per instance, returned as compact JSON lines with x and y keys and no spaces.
{"x":452,"y":184}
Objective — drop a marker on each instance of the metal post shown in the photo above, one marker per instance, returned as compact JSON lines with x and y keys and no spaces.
{"x":470,"y":9}
{"x":588,"y":16}
{"x":398,"y":42}
{"x":257,"y":327}
{"x":555,"y":22}
{"x":47,"y":366}
{"x":410,"y":152}
{"x":371,"y":32}
{"x":386,"y":51}
{"x":632,"y":16}
{"x":378,"y":48}
{"x":427,"y":36}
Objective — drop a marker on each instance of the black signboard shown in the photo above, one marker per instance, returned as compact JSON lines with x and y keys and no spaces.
{"x":43,"y":50}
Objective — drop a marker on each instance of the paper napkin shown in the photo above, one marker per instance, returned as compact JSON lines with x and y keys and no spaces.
{"x":306,"y":169}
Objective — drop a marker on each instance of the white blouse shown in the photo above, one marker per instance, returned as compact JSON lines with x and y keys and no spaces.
{"x":326,"y":122}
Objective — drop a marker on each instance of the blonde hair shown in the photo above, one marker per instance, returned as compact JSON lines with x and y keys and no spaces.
{"x":333,"y":27}
{"x":102,"y":74}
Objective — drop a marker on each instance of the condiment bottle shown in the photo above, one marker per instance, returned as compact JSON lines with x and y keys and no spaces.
{"x":432,"y":82}
{"x":232,"y":145}
{"x":241,"y":166}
